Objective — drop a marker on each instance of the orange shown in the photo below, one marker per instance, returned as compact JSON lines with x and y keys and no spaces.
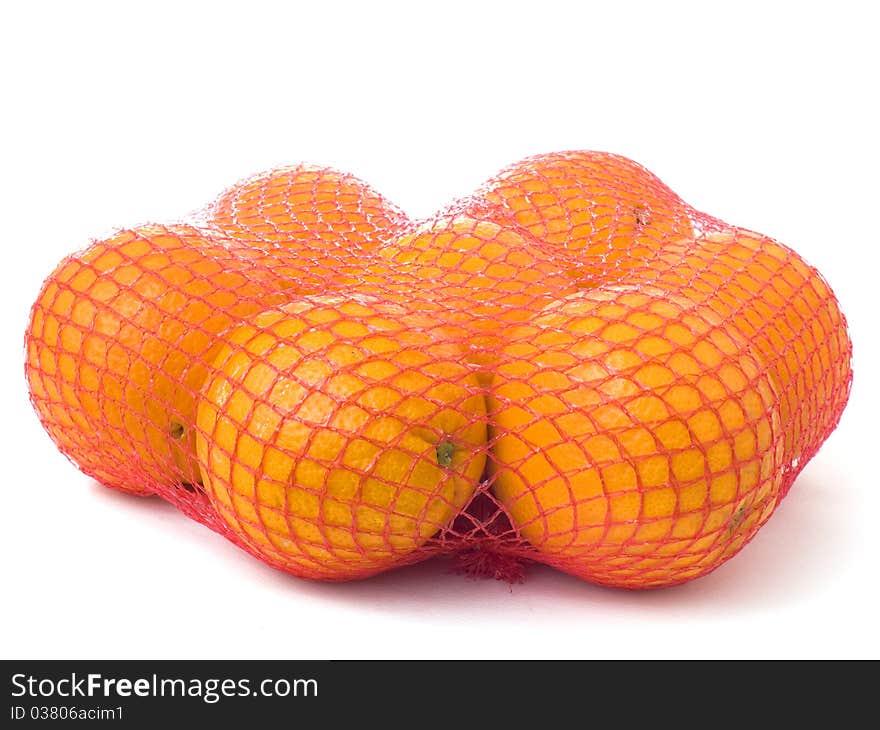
{"x":608,"y":210}
{"x":309,"y":218}
{"x":473,"y":274}
{"x":635,"y":439}
{"x":785,"y":310}
{"x":118,"y":345}
{"x":338,"y":435}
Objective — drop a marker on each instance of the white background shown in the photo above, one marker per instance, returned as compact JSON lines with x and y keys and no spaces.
{"x":764,"y":114}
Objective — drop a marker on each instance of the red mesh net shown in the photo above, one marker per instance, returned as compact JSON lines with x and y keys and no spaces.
{"x":571,"y":366}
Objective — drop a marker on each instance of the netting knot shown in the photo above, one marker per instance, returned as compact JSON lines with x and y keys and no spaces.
{"x":487,"y":564}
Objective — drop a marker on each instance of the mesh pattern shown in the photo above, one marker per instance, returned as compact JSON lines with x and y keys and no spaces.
{"x":571,"y":366}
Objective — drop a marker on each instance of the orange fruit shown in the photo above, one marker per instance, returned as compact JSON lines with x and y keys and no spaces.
{"x":784,"y":309}
{"x":309,"y":218}
{"x":608,"y":210}
{"x":475,"y":275}
{"x":118,"y":345}
{"x":337,"y":435}
{"x":635,"y":439}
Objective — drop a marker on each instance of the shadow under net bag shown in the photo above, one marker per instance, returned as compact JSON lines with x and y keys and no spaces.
{"x":571,"y":366}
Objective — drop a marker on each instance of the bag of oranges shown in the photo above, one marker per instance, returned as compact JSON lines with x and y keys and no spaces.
{"x":570,"y":366}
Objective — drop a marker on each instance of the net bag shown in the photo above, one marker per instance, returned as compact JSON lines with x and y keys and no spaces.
{"x":570,"y":366}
